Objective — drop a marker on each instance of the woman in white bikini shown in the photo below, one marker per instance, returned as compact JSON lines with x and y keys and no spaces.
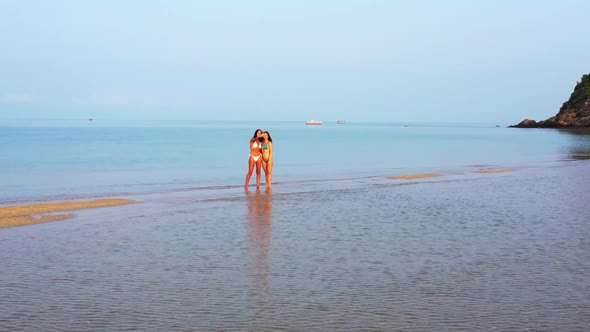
{"x":255,"y":158}
{"x":267,"y":161}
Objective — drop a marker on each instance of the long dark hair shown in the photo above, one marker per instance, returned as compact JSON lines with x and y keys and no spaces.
{"x":256,"y":132}
{"x":269,"y":138}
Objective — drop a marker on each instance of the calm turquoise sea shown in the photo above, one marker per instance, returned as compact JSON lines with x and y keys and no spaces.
{"x":75,"y":159}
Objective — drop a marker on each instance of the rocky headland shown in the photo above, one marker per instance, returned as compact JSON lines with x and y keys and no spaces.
{"x":574,"y":113}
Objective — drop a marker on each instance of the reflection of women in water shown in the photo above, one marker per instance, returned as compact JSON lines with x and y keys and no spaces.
{"x":255,"y":158}
{"x":267,"y":161}
{"x":260,"y":236}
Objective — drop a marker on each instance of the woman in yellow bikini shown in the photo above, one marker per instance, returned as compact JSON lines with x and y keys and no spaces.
{"x":267,"y":161}
{"x":255,"y":158}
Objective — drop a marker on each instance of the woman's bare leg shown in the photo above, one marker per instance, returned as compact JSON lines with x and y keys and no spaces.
{"x":250,"y":170}
{"x":258,"y":173}
{"x":269,"y":174}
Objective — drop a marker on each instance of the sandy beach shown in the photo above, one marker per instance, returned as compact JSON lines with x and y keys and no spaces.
{"x":12,"y":216}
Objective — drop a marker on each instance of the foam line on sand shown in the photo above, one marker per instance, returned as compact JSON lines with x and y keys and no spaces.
{"x":414,"y":176}
{"x":489,"y":171}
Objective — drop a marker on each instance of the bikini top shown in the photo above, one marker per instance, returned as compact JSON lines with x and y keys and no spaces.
{"x":256,"y":145}
{"x":265,"y":147}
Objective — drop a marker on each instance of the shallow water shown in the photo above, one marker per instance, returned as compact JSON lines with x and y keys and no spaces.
{"x":462,"y":252}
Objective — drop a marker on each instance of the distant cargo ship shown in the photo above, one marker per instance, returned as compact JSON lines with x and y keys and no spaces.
{"x":314,"y":123}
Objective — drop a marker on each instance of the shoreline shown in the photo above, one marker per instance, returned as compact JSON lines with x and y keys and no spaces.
{"x":14,"y":216}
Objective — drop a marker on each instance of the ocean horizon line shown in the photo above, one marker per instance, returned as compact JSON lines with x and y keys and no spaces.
{"x":67,"y":122}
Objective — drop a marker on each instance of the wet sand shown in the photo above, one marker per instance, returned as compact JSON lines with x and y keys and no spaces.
{"x":12,"y":216}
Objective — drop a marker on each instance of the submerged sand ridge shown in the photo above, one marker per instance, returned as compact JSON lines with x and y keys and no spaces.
{"x":12,"y":216}
{"x":434,"y":175}
{"x":25,"y":215}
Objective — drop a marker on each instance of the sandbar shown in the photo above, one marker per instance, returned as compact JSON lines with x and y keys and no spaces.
{"x":11,"y":216}
{"x":487,"y":171}
{"x":414,"y":176}
{"x":434,"y":175}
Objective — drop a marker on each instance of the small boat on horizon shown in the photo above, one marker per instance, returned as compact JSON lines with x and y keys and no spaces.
{"x":340,"y":122}
{"x":314,"y":123}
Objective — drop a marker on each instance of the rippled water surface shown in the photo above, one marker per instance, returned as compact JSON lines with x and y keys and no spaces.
{"x":462,"y":252}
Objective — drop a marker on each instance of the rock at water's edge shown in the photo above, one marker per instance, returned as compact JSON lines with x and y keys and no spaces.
{"x":574,"y":113}
{"x":526,"y":123}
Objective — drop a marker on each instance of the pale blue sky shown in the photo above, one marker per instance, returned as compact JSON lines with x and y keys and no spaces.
{"x":395,"y":61}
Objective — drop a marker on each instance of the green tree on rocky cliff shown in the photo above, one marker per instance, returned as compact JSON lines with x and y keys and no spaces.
{"x":581,"y":94}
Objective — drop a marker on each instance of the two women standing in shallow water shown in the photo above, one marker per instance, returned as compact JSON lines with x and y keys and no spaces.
{"x":260,"y":156}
